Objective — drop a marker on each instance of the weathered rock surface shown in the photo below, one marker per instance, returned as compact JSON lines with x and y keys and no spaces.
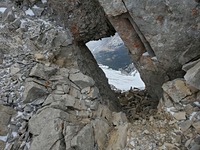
{"x":73,"y":15}
{"x":42,"y":71}
{"x":178,"y":85}
{"x":192,"y":76}
{"x":33,"y":91}
{"x":68,"y":103}
{"x":6,"y":113}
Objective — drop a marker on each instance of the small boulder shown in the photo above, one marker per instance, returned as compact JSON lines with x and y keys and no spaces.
{"x":193,"y":75}
{"x":84,"y":139}
{"x":33,"y":91}
{"x":6,"y":114}
{"x":81,"y":80}
{"x":42,"y":71}
{"x":176,"y":89}
{"x":196,"y":125}
{"x":179,"y":115}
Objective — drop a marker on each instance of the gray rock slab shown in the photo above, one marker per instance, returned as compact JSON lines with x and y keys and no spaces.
{"x":65,"y":101}
{"x":196,"y":125}
{"x":51,"y":136}
{"x":81,"y":80}
{"x":39,"y":121}
{"x":176,"y":89}
{"x":113,"y":8}
{"x":191,"y":53}
{"x":69,"y":132}
{"x":8,"y":16}
{"x":101,"y":129}
{"x":62,"y":39}
{"x":5,"y":116}
{"x":84,"y":139}
{"x":193,"y":75}
{"x":189,"y":65}
{"x":42,"y":71}
{"x":15,"y":68}
{"x":33,"y":91}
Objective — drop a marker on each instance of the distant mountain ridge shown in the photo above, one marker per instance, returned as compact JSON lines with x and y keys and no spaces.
{"x":111,"y":52}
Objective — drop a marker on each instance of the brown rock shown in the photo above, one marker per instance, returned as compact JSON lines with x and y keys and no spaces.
{"x":179,"y":116}
{"x":185,"y":125}
{"x":196,"y":125}
{"x":176,"y":89}
{"x":118,"y":138}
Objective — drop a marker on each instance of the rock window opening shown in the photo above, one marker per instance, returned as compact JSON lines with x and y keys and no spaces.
{"x":113,"y":58}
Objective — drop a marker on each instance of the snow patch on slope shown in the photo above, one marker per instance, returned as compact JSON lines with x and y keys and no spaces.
{"x":122,"y":81}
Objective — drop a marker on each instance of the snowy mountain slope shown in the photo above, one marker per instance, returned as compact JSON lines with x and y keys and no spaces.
{"x":121,"y":81}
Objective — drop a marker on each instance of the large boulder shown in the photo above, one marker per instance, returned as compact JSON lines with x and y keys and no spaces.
{"x":85,"y":19}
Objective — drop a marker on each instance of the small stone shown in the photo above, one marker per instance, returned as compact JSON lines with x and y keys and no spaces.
{"x":170,"y":146}
{"x":146,"y":132}
{"x":28,"y":108}
{"x":94,"y":105}
{"x":15,"y":68}
{"x":119,"y":118}
{"x":39,"y":57}
{"x":94,"y":93}
{"x":185,"y":125}
{"x":176,"y":89}
{"x":86,"y":90}
{"x":81,"y":80}
{"x":196,"y":125}
{"x":66,"y":88}
{"x":172,"y":122}
{"x":189,"y":109}
{"x":37,"y":10}
{"x":167,"y":100}
{"x":33,"y":91}
{"x":62,"y":39}
{"x":189,"y":65}
{"x":113,"y":8}
{"x":1,"y":56}
{"x":15,"y":24}
{"x":6,"y":114}
{"x":42,"y":71}
{"x":197,"y":140}
{"x":187,"y":143}
{"x":9,"y":16}
{"x":192,"y":76}
{"x":180,"y":115}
